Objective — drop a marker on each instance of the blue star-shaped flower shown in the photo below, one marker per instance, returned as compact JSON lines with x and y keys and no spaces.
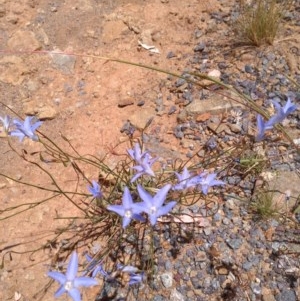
{"x":136,"y":153}
{"x":128,"y":209}
{"x":153,"y":206}
{"x":208,"y":180}
{"x":185,"y":180}
{"x":25,"y":129}
{"x":144,"y":167}
{"x":69,"y":282}
{"x":281,"y":114}
{"x":95,"y":190}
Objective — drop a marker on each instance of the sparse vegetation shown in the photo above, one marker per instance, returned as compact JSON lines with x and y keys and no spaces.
{"x":259,"y":21}
{"x":266,"y":205}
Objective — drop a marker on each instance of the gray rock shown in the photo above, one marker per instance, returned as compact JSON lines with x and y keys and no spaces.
{"x":170,"y":55}
{"x":168,"y":265}
{"x":140,"y":103}
{"x":207,"y":231}
{"x":247,"y":265}
{"x":172,"y":110}
{"x":195,"y":282}
{"x":180,"y":82}
{"x":200,"y":47}
{"x":234,"y":243}
{"x":286,"y":295}
{"x":63,"y":62}
{"x":248,"y":69}
{"x":226,"y":221}
{"x":167,"y":279}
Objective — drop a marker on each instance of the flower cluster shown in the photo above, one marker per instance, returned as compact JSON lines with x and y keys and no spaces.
{"x":153,"y":206}
{"x":21,"y":129}
{"x":281,"y":114}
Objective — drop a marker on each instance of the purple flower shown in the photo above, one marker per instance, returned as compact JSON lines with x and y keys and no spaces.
{"x":185,"y":180}
{"x":128,"y":209}
{"x":95,"y":266}
{"x":153,"y":206}
{"x":281,"y":114}
{"x":136,"y":278}
{"x":6,"y":121}
{"x":144,"y":167}
{"x":25,"y":129}
{"x":95,"y":190}
{"x":136,"y":153}
{"x":261,"y":128}
{"x":69,"y":283}
{"x":132,"y":270}
{"x":208,"y":180}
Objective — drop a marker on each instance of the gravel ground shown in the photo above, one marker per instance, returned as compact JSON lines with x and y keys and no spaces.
{"x":237,"y":257}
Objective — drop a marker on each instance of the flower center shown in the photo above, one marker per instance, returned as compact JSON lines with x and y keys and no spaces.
{"x":128,"y":213}
{"x":153,"y":210}
{"x":68,"y":285}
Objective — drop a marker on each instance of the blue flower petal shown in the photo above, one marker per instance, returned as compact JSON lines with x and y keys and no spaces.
{"x":161,"y":195}
{"x":166,"y":209}
{"x":144,"y":195}
{"x":72,"y":267}
{"x":60,"y":291}
{"x":127,"y":198}
{"x":60,"y":277}
{"x":85,"y":281}
{"x":119,"y":209}
{"x":74,"y":293}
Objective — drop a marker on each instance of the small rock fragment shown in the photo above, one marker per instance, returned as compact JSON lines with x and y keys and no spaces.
{"x":23,"y":40}
{"x":167,"y":279}
{"x":125,"y":102}
{"x":64,"y":62}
